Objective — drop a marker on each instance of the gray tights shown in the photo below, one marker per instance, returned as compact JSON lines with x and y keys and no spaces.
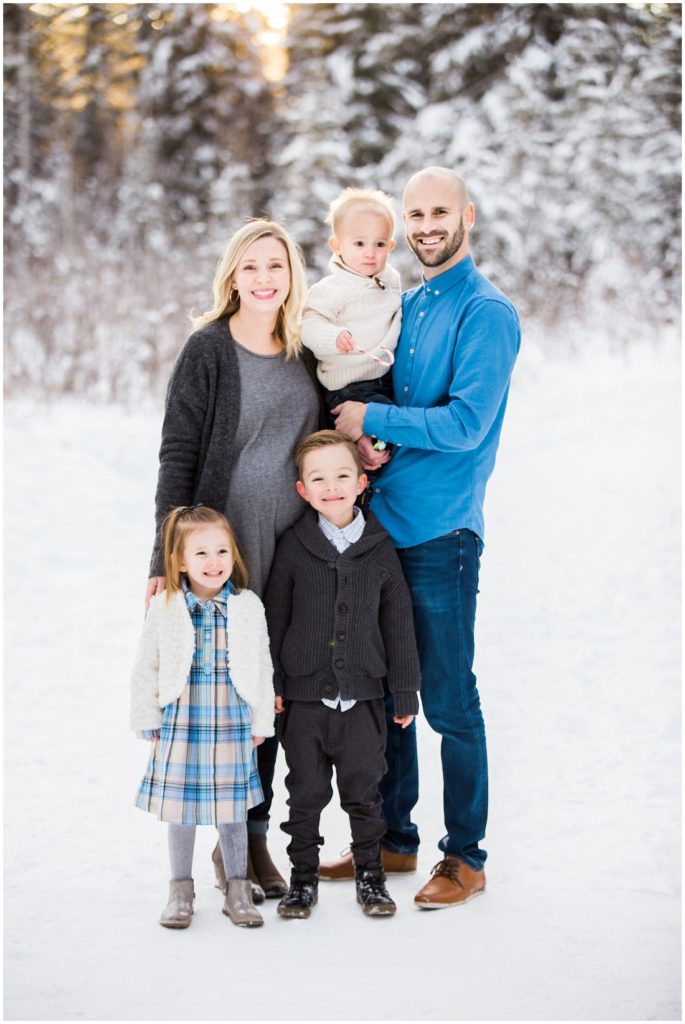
{"x":233,"y":842}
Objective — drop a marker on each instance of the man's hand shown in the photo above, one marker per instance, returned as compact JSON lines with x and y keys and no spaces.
{"x":371,"y":459}
{"x":405,"y":721}
{"x":344,"y":342}
{"x":350,"y":419}
{"x":278,"y":705}
{"x":155,"y":585}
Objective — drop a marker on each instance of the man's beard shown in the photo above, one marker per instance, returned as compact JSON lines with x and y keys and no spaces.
{"x":441,"y":253}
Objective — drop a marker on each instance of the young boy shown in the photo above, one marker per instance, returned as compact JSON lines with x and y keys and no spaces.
{"x":353,"y":316}
{"x":340,"y":620}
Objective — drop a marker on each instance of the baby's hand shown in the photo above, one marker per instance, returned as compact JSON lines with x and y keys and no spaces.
{"x":404,"y":721}
{"x":256,"y":740}
{"x":344,"y":342}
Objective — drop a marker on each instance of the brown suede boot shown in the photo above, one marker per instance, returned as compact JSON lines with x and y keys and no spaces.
{"x":343,"y":869}
{"x":265,"y":871}
{"x":452,"y":883}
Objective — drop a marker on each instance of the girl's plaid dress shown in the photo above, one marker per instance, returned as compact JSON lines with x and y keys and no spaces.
{"x":202,"y":769}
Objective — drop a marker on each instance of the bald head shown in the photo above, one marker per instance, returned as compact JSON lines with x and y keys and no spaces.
{"x":437,"y":218}
{"x":440,"y":176}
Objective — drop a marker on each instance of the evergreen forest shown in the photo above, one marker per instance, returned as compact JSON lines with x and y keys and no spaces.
{"x":139,"y":136}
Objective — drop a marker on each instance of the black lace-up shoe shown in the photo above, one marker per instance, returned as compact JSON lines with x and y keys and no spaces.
{"x":301,"y":896}
{"x":371,"y":892}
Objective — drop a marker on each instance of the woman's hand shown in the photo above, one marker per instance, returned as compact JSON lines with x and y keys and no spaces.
{"x":404,"y":721}
{"x":278,"y":705}
{"x":155,"y":585}
{"x":256,"y":740}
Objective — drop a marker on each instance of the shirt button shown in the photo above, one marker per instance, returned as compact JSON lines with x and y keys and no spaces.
{"x":377,"y":490}
{"x":422,"y":313}
{"x":411,"y":351}
{"x":342,"y":608}
{"x":437,"y":292}
{"x":339,"y":663}
{"x":406,"y":387}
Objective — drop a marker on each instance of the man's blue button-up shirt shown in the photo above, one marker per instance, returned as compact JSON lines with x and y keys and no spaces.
{"x":459,"y":342}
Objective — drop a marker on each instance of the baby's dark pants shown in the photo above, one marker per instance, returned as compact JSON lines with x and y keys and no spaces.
{"x":379,"y":390}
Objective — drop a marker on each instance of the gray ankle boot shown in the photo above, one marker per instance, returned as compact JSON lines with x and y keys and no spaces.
{"x":238,"y":904}
{"x":179,"y":909}
{"x":218,"y":862}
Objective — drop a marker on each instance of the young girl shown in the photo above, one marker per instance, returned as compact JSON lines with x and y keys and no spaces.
{"x":202,"y":691}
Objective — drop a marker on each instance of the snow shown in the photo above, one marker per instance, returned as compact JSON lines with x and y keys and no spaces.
{"x":578,"y":660}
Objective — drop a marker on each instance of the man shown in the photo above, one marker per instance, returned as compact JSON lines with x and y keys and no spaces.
{"x":459,"y":342}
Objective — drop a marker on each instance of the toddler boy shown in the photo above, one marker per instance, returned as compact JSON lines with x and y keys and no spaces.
{"x":340,"y":620}
{"x":353,"y":316}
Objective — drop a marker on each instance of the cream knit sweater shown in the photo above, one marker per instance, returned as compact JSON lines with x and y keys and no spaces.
{"x":370,"y":308}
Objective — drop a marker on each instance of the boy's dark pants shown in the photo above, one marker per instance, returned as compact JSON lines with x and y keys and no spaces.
{"x":317,"y":739}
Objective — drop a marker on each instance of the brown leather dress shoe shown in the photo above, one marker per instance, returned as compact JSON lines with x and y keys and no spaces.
{"x":343,"y":869}
{"x":452,"y":883}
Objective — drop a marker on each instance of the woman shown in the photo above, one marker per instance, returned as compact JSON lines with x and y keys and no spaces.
{"x":241,"y":395}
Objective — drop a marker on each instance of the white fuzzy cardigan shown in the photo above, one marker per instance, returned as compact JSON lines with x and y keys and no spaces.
{"x":165,"y":655}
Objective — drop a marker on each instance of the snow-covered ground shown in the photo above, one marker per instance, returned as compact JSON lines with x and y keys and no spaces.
{"x":578,"y":662}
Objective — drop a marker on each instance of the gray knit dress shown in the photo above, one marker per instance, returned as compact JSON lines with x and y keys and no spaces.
{"x":231,"y":422}
{"x":279,"y":407}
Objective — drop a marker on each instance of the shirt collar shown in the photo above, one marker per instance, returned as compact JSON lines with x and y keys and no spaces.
{"x":440,"y":284}
{"x":352,"y":532}
{"x":220,"y":600}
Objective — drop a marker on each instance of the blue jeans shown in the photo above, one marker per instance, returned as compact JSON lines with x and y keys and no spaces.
{"x":442,"y":575}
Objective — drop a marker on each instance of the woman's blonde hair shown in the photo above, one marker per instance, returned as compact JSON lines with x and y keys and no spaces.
{"x":177,"y":525}
{"x":227,"y":300}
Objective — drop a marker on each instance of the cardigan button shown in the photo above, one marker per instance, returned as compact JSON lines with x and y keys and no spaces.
{"x":328,"y":688}
{"x":340,"y":635}
{"x":342,"y":608}
{"x":339,"y":663}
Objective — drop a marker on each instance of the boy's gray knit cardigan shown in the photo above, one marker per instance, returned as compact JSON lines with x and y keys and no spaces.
{"x":200,"y":423}
{"x":339,"y":623}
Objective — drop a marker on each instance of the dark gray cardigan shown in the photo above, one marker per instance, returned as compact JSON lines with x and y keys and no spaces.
{"x":341,"y":622}
{"x":200,"y":422}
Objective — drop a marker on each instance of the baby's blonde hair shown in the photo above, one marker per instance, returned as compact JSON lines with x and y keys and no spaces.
{"x":177,"y":525}
{"x":366,"y":200}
